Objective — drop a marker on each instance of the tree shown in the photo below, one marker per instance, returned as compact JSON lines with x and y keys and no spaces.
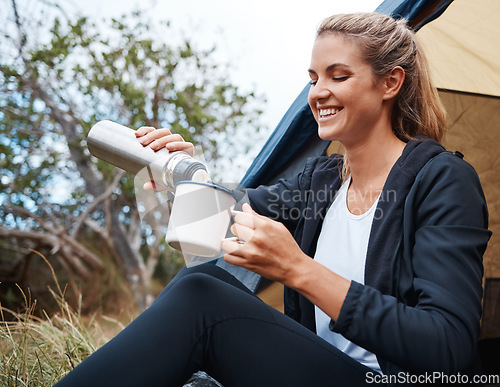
{"x":55,"y":84}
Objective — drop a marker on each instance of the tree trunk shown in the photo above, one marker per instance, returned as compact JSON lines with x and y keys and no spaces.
{"x":132,"y":260}
{"x":135,"y":270}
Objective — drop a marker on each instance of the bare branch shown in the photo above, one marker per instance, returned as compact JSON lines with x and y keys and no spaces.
{"x":56,"y":237}
{"x":84,"y":253}
{"x":74,"y":263}
{"x":45,"y":238}
{"x":22,"y":35}
{"x":94,"y":226}
{"x":69,"y":124}
{"x":98,"y":200}
{"x":69,"y":252}
{"x":23,"y":212}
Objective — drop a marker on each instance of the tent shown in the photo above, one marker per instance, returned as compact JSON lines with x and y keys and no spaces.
{"x":460,"y":38}
{"x":463,"y":51}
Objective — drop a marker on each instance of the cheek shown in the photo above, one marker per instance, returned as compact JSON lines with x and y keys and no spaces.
{"x":312,"y":105}
{"x":310,"y":99}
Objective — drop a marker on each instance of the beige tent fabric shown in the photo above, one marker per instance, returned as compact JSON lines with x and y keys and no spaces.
{"x":474,"y":131}
{"x":463,"y":47}
{"x":463,"y":50}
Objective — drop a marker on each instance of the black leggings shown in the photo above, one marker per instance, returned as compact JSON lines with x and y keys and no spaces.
{"x":205,"y":319}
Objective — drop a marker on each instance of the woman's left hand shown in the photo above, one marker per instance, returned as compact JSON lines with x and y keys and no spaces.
{"x":263,"y":246}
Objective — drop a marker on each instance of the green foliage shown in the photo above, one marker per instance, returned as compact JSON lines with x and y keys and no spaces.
{"x":62,"y":75}
{"x":127,"y":71}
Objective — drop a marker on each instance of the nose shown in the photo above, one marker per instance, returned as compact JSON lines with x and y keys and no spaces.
{"x":318,"y":91}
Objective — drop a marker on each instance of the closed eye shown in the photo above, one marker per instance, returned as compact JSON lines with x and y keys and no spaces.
{"x":336,"y":79}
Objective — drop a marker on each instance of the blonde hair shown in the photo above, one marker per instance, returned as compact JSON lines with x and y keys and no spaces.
{"x":386,"y":43}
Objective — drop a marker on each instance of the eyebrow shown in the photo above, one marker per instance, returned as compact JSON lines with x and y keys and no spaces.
{"x":330,"y":67}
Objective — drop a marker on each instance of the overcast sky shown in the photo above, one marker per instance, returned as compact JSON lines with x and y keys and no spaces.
{"x":266,"y":42}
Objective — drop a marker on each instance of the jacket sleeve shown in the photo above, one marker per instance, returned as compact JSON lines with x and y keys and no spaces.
{"x":434,"y":324}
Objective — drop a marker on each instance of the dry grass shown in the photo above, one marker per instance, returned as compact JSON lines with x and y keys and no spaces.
{"x":39,"y":351}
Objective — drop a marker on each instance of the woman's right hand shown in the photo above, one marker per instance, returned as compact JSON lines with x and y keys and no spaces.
{"x":163,"y":138}
{"x":157,"y":139}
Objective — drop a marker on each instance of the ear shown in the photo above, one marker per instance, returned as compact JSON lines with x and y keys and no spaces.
{"x":393,"y":81}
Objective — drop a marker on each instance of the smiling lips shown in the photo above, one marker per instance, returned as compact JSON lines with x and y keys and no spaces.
{"x":328,"y":112}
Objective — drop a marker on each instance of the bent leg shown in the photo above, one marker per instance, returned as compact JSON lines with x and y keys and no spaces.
{"x":207,"y":268}
{"x":203,"y":323}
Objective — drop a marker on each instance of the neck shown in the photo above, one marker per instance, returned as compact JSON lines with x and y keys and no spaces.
{"x":371,"y":161}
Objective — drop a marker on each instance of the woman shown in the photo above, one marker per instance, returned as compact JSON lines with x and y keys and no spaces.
{"x":397,"y":228}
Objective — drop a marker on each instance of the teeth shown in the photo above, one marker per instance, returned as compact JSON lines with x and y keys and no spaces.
{"x":327,"y":112}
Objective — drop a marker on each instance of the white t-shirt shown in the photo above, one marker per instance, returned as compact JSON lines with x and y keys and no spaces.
{"x":342,"y":247}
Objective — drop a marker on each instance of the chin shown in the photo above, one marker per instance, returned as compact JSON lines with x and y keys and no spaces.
{"x":328,"y":134}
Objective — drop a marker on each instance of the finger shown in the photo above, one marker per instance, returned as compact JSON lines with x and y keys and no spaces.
{"x":181,"y":146}
{"x":235,"y":260}
{"x":248,"y":209}
{"x":143,"y":130}
{"x":258,"y":220}
{"x":230,"y":245}
{"x":243,"y":219}
{"x":160,"y":142}
{"x":242,"y":233}
{"x":151,"y":186}
{"x":153,"y":135}
{"x":250,"y":218}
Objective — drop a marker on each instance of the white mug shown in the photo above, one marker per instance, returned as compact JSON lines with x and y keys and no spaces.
{"x":200,"y":218}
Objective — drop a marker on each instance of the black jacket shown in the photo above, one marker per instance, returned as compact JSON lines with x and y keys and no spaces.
{"x":420,"y":307}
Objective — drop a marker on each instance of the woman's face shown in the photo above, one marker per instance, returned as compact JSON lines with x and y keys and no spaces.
{"x":345,"y":98}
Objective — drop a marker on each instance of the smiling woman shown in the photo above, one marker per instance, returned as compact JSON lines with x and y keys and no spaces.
{"x":394,"y":51}
{"x":395,"y":282}
{"x":346,"y":99}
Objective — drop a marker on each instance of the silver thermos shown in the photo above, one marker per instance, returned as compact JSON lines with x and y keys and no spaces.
{"x":117,"y":145}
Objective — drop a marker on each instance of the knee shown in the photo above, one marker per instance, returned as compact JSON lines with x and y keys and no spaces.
{"x":191,"y":293}
{"x":187,"y":276}
{"x":196,"y":285}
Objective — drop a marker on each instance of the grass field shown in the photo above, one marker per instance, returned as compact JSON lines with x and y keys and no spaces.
{"x":38,"y":351}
